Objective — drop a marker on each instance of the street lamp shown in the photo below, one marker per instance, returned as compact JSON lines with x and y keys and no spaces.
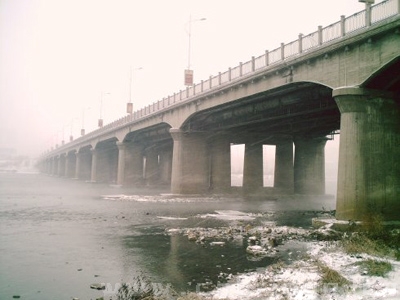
{"x":188,"y":72}
{"x":129,"y":105}
{"x":71,"y":137}
{"x":100,"y":122}
{"x":83,"y":121}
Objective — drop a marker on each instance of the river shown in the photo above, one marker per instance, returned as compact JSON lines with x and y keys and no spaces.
{"x":59,"y":236}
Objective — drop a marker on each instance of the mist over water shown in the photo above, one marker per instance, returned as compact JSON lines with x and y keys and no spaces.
{"x":58,"y":236}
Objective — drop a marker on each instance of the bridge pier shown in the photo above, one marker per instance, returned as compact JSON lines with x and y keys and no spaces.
{"x":133,"y":164}
{"x":121,"y":163}
{"x":189,"y":163}
{"x":220,"y":164}
{"x":369,"y":152}
{"x":151,"y":175}
{"x":61,"y":165}
{"x":284,"y":171}
{"x":309,"y":166}
{"x":165,"y":164}
{"x":78,"y":165}
{"x":253,"y":180}
{"x":93,"y":173}
{"x":83,"y":165}
{"x":55,"y":166}
{"x":70,"y":165}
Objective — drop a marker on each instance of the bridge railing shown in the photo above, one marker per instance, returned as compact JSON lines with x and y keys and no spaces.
{"x":303,"y":44}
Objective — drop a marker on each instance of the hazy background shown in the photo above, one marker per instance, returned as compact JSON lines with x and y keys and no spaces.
{"x":57,"y":57}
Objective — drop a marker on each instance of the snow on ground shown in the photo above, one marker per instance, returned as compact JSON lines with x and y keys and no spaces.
{"x":301,"y":279}
{"x":298,"y":278}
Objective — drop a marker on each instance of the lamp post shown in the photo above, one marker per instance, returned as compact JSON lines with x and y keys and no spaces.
{"x":83,"y":121}
{"x":129,"y":105}
{"x":188,"y":72}
{"x":100,"y":122}
{"x":71,"y":137}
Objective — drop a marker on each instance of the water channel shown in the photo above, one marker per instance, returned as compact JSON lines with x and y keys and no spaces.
{"x":59,"y":236}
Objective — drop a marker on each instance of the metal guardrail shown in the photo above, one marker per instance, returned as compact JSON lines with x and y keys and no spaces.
{"x":303,"y":44}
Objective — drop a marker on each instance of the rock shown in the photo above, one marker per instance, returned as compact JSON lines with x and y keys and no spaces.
{"x":98,"y":286}
{"x":256,"y":250}
{"x":252,"y":240}
{"x":217,"y":243}
{"x":192,"y":236}
{"x":273,"y":242}
{"x":323,"y":234}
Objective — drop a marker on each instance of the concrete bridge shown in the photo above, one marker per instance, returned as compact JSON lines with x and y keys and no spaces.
{"x":341,"y":78}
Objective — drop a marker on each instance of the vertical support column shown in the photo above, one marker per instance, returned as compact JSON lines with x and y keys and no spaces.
{"x":59,"y":165}
{"x":165,"y":164}
{"x":189,"y":163}
{"x":93,"y":172}
{"x":78,"y":165}
{"x":151,"y":168}
{"x":284,"y":171}
{"x":220,"y":164}
{"x":309,"y":166}
{"x":71,"y":165}
{"x":67,"y":165}
{"x":369,"y":164}
{"x":253,"y":168}
{"x":121,"y":163}
{"x":55,"y":165}
{"x":134,"y":164}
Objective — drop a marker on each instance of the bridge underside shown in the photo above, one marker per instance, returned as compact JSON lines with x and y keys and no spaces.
{"x":302,"y":114}
{"x":302,"y":109}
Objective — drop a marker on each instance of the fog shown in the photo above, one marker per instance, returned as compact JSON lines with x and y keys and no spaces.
{"x":65,"y":63}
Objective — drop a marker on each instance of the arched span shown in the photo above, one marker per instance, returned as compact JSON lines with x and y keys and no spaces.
{"x":295,"y":108}
{"x":386,"y":78}
{"x":158,"y":132}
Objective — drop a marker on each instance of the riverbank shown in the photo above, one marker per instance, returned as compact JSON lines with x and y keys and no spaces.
{"x":322,"y":267}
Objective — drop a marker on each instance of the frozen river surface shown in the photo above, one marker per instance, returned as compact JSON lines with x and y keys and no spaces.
{"x":58,"y":236}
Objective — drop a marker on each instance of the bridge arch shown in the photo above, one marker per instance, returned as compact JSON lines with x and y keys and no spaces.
{"x":386,"y":78}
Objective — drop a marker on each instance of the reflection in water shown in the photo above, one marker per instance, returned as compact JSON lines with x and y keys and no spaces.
{"x":175,"y":260}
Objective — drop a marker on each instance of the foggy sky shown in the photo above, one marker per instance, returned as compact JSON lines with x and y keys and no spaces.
{"x":58,"y":56}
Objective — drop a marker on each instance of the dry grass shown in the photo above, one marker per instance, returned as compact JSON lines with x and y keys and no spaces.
{"x":374,"y":267}
{"x":330,"y":276}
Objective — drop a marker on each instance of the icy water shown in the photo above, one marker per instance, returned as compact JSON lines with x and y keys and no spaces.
{"x":58,"y":236}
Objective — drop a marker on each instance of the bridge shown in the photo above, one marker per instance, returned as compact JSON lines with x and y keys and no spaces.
{"x":343,"y":78}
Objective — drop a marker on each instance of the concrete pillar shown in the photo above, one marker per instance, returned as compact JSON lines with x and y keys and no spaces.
{"x":93,"y":172}
{"x":309,"y":166}
{"x":70,"y":165}
{"x":78,"y":165}
{"x":58,"y":168}
{"x":220,"y":167}
{"x":369,"y":154}
{"x":189,"y":163}
{"x":83,"y":166}
{"x":151,"y":167}
{"x":121,"y":163}
{"x":67,"y":165}
{"x":165,"y":164}
{"x":55,"y":166}
{"x":61,"y":165}
{"x":284,"y":170}
{"x":253,"y":179}
{"x":134,"y":164}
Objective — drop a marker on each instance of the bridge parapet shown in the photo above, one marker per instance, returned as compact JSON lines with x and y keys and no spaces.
{"x":384,"y":11}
